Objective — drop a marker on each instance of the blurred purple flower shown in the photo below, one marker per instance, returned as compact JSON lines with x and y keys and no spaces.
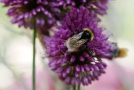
{"x":23,"y":12}
{"x":95,"y":7}
{"x":82,"y":66}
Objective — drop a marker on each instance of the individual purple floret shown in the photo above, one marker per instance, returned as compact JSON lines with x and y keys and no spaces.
{"x":95,"y":7}
{"x":77,"y":48}
{"x":23,"y":12}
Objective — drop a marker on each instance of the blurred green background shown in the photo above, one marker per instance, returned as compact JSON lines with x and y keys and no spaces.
{"x":16,"y":45}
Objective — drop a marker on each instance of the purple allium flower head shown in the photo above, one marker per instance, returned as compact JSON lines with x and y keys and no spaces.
{"x":95,"y":7}
{"x":23,"y":12}
{"x":84,"y":65}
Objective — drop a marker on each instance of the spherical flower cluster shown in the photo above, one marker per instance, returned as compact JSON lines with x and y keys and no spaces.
{"x":23,"y":12}
{"x":95,"y":7}
{"x":82,"y":66}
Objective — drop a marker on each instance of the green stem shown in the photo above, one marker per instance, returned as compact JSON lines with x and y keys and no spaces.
{"x":78,"y":87}
{"x":74,"y":87}
{"x":34,"y":54}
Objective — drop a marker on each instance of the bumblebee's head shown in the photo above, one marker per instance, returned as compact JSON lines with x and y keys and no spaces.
{"x":87,"y":34}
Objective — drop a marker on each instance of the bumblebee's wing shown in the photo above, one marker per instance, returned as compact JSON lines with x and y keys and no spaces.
{"x":77,"y":37}
{"x":80,"y":43}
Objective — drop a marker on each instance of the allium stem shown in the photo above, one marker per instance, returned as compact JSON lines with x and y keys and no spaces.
{"x":74,"y":87}
{"x":78,"y":87}
{"x":34,"y":56}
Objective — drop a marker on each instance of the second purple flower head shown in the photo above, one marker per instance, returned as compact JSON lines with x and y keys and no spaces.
{"x":95,"y":7}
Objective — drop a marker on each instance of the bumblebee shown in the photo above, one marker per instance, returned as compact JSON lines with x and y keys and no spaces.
{"x":120,"y":53}
{"x":75,"y":42}
{"x":117,"y":52}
